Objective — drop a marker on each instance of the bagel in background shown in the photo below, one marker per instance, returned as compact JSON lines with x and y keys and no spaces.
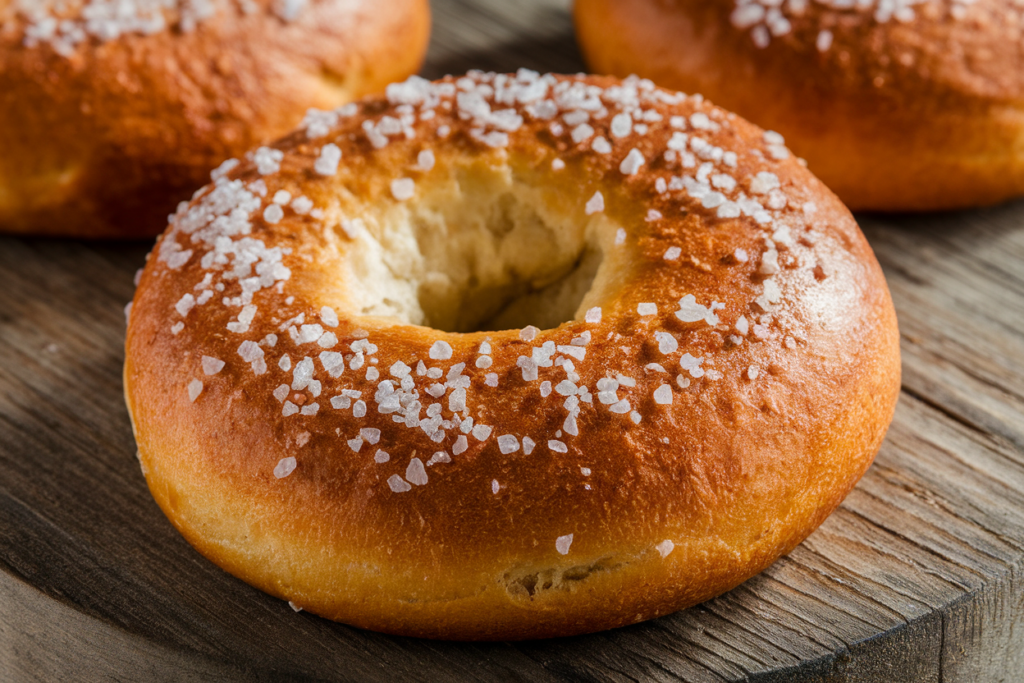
{"x":896,"y":106}
{"x":108,"y":118}
{"x":341,"y":394}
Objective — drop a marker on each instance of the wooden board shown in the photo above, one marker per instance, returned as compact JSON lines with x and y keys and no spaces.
{"x":917,"y":577}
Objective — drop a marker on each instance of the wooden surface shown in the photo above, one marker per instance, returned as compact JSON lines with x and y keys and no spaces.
{"x":917,"y":577}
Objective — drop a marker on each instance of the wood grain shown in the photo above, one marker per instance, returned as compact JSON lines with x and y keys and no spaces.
{"x":917,"y":577}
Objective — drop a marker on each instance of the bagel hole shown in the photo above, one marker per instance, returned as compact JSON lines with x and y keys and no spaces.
{"x":482,"y":250}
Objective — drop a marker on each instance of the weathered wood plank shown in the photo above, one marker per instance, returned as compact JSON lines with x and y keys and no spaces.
{"x":916,"y":578}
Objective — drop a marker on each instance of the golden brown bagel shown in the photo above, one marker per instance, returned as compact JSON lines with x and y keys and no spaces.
{"x":106,"y":123}
{"x":321,"y":410}
{"x":898,"y":105}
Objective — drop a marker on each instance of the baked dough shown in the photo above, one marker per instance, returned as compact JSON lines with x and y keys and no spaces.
{"x":509,"y":356}
{"x":111,"y":112}
{"x":897,"y":105}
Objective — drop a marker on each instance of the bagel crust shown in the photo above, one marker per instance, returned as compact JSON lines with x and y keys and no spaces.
{"x":111,"y":112}
{"x":896,"y":105}
{"x":718,"y":363}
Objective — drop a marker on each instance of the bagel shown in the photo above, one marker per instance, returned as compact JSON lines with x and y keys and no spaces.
{"x":509,"y":356}
{"x":897,"y":105}
{"x":112,"y":111}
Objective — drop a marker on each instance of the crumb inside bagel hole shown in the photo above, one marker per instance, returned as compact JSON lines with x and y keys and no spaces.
{"x":482,"y":248}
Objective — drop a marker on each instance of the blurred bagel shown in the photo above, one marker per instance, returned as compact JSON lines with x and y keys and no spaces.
{"x":897,"y":105}
{"x":112,"y":111}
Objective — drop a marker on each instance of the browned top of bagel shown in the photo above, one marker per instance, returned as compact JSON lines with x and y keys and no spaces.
{"x":718,"y":364}
{"x":930,"y":47}
{"x":896,"y":105}
{"x":105,"y":123}
{"x":905,"y":50}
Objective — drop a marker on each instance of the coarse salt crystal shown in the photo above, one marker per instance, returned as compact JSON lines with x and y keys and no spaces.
{"x":692,"y":365}
{"x":562,"y":544}
{"x":268,"y":160}
{"x":195,"y":387}
{"x":764,"y":182}
{"x":508,"y":444}
{"x":250,"y":351}
{"x":327,"y":163}
{"x":211,"y":366}
{"x":403,"y":189}
{"x":824,"y":40}
{"x":425,"y":160}
{"x":690,"y":311}
{"x":441,"y":350}
{"x":415,"y":473}
{"x":184,"y":305}
{"x":398,"y":485}
{"x":622,"y":125}
{"x":328,"y":316}
{"x":582,"y":133}
{"x":439,"y":456}
{"x":284,"y":467}
{"x":632,"y":163}
{"x":666,"y":342}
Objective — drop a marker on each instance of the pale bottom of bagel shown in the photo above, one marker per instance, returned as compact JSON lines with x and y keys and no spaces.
{"x":485,"y":247}
{"x":410,"y":592}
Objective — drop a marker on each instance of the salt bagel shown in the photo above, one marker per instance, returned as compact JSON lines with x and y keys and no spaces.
{"x":896,"y":104}
{"x":504,"y":357}
{"x":112,"y":111}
